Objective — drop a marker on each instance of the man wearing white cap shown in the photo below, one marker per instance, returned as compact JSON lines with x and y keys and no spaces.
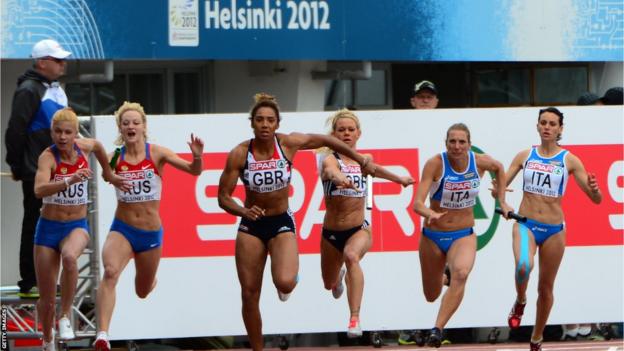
{"x":37,"y":97}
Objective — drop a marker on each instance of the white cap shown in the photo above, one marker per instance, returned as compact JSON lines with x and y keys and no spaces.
{"x":49,"y":48}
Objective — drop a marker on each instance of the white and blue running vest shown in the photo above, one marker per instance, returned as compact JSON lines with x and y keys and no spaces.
{"x":457,"y":190}
{"x":546,"y":176}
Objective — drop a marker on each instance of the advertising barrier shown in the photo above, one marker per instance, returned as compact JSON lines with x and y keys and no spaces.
{"x":198,"y":293}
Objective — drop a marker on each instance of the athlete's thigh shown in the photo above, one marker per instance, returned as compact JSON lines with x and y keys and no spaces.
{"x":250,"y":257}
{"x":432,"y":259}
{"x":462,"y":252}
{"x":550,"y":256}
{"x":75,"y":243}
{"x":360,"y":242}
{"x":146,"y":264}
{"x":331,"y":259}
{"x":116,"y":251}
{"x":47,"y":265}
{"x":284,"y":254}
{"x":523,"y":243}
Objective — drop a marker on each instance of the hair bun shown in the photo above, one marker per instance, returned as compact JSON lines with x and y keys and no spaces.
{"x":264,"y":97}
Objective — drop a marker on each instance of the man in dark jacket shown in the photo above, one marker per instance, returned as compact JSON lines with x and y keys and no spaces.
{"x":37,"y":98}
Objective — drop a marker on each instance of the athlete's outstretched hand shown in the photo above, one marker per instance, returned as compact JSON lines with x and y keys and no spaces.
{"x":196,"y":145}
{"x":407,"y":181}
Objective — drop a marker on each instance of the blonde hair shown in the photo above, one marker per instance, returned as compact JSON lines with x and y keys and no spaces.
{"x":332,"y":121}
{"x":66,"y":114}
{"x":125,"y":107}
{"x":264,"y":100}
{"x":459,"y":126}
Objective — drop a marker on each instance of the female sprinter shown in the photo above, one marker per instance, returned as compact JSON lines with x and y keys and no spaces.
{"x":267,"y":226}
{"x":137,"y":231}
{"x":452,"y":178}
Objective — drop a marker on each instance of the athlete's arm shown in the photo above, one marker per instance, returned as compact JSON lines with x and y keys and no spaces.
{"x":46,"y":187}
{"x":195,"y":166}
{"x":300,"y":141}
{"x":227,"y":183}
{"x":331,"y":171}
{"x":487,"y":163}
{"x":586,"y":181}
{"x":93,"y":145}
{"x":432,"y":166}
{"x":382,"y":172}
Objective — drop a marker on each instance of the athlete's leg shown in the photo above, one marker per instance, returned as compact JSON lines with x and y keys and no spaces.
{"x":524,"y":249}
{"x":331,"y":262}
{"x":47,"y":262}
{"x":146,"y":263}
{"x":460,"y":257}
{"x":355,"y":249}
{"x":550,"y":255}
{"x":71,"y":248}
{"x":284,"y":261}
{"x":432,"y":261}
{"x":116,"y":253}
{"x":251,"y":257}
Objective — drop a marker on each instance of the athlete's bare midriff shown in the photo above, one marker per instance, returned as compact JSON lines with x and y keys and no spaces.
{"x":452,"y":220}
{"x":541,"y":208}
{"x":63,"y":213}
{"x":343,"y":212}
{"x":141,"y":215}
{"x":274,"y":202}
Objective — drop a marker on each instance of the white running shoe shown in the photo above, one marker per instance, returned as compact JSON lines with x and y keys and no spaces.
{"x":101,"y":342}
{"x":282,"y":296}
{"x":355,"y":330}
{"x":49,"y":345}
{"x":339,"y":288}
{"x":66,"y":332}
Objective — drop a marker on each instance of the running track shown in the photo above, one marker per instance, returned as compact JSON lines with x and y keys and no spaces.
{"x":613,"y":345}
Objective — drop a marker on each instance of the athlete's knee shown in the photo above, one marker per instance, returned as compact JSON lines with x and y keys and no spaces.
{"x":545,"y":291}
{"x":351,"y":257}
{"x":285,"y":285}
{"x":143,"y":290}
{"x":460,"y":275}
{"x":111,"y":273}
{"x":69,"y":262}
{"x":250,"y":295}
{"x":46,"y":303}
{"x":432,"y":294}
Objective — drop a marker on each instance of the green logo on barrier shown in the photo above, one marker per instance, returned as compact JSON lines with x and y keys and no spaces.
{"x":480,"y":213}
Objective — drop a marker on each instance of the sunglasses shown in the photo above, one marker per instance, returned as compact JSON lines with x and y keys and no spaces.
{"x":50,"y":58}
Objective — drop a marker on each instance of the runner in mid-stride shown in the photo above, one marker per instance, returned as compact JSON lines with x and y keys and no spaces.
{"x":452,"y":178}
{"x":545,"y":171}
{"x":267,"y":225}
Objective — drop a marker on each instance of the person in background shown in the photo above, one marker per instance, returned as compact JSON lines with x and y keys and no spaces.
{"x":424,"y":96}
{"x":37,"y":97}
